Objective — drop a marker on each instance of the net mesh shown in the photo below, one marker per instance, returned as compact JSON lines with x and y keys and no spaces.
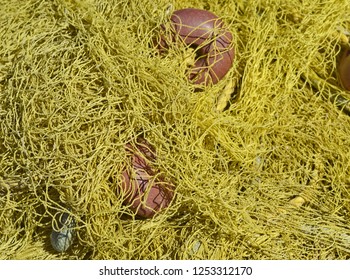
{"x":260,"y":160}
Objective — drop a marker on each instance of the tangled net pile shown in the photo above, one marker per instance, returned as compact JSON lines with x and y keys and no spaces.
{"x":262,"y":173}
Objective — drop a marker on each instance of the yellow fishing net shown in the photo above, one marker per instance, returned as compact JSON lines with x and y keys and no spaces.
{"x":260,"y":160}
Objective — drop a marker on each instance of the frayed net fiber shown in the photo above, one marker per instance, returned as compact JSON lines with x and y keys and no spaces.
{"x":259,"y":161}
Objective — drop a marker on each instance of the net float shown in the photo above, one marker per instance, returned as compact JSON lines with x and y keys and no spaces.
{"x":62,"y":237}
{"x":344,"y":69}
{"x":144,"y":191}
{"x":206,"y":33}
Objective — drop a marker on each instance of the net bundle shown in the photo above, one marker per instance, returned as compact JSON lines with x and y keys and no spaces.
{"x":260,"y":160}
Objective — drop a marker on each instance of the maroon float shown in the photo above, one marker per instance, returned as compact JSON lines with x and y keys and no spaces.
{"x":144,"y":190}
{"x":206,"y":33}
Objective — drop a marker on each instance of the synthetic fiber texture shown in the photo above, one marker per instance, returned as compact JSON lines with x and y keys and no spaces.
{"x":260,"y":160}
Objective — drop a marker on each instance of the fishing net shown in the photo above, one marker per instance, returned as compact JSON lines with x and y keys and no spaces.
{"x":260,"y":160}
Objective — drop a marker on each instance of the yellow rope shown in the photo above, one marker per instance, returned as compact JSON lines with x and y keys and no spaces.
{"x":260,"y":160}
